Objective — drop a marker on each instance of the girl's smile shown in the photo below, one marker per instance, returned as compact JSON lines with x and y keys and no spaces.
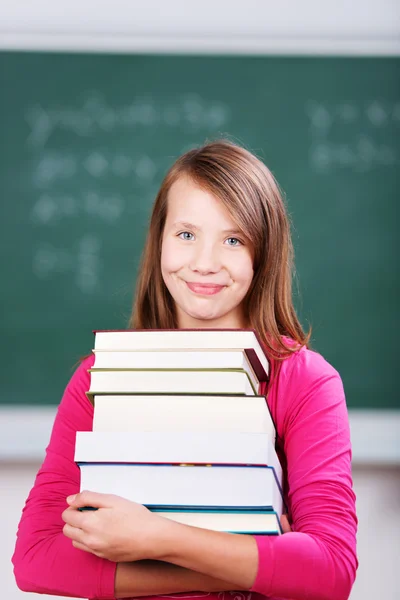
{"x":206,"y":289}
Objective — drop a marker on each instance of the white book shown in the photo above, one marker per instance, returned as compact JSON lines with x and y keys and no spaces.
{"x":175,"y":359}
{"x":205,"y":414}
{"x":170,"y":382}
{"x":166,"y":486}
{"x":176,"y":447}
{"x":187,"y":339}
{"x":250,"y":522}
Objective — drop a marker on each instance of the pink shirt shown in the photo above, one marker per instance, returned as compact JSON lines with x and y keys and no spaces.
{"x":317,"y":561}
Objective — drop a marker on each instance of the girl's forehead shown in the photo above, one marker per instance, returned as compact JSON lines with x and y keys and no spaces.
{"x":185,"y":189}
{"x":187,"y":201}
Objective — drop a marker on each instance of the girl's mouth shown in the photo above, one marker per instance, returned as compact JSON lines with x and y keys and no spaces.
{"x":206,"y":289}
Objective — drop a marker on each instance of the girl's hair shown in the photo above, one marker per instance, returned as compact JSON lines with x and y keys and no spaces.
{"x":248,"y":190}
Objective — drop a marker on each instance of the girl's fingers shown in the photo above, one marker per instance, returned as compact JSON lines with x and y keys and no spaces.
{"x":73,"y":533}
{"x":81,"y":546}
{"x":72,"y":517}
{"x":92,"y":499}
{"x":285,"y":524}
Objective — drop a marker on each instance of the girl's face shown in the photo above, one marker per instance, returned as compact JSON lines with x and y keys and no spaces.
{"x":206,"y":264}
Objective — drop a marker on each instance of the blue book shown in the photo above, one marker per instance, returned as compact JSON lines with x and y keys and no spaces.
{"x":255,"y":522}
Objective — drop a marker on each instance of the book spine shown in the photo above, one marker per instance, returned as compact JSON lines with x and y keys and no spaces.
{"x":258,"y":369}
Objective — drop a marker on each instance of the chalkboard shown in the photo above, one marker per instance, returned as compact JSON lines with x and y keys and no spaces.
{"x":85,"y":142}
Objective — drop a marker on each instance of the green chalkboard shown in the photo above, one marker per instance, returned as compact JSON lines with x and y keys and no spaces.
{"x":84,"y":143}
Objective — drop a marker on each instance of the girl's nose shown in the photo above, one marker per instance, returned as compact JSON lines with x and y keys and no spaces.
{"x":205,"y":260}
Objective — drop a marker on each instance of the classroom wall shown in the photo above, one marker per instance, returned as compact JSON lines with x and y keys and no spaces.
{"x":256,"y":25}
{"x":210,"y":26}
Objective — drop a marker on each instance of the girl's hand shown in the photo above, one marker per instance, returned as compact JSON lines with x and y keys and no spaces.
{"x":120,"y":530}
{"x":285,"y":524}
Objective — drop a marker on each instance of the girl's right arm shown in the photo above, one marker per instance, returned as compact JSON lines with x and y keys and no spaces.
{"x":151,"y":578}
{"x":45,"y":561}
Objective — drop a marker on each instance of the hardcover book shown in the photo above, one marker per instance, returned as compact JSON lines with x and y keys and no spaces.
{"x":187,"y":339}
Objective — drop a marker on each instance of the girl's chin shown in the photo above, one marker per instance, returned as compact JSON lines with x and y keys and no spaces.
{"x":201,"y":316}
{"x":204,"y":317}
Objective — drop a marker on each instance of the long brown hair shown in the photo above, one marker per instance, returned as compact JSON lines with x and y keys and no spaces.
{"x":249,"y":192}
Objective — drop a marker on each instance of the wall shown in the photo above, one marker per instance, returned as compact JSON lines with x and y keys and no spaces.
{"x":256,"y":25}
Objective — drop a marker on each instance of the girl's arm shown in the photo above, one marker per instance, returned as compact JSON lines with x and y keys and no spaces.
{"x":151,"y":578}
{"x":45,"y":561}
{"x":317,"y":561}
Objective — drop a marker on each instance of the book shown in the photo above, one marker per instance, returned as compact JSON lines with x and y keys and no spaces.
{"x":256,"y":522}
{"x":170,"y":382}
{"x":207,"y":413}
{"x":176,"y":447}
{"x":171,"y":408}
{"x":187,"y":487}
{"x":187,"y":339}
{"x":175,"y":359}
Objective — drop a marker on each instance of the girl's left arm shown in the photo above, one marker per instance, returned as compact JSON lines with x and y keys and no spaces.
{"x":317,"y":560}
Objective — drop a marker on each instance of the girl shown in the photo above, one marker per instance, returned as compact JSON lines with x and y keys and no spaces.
{"x":218,"y":255}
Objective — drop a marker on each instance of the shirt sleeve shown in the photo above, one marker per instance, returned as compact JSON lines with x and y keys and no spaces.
{"x":317,"y":560}
{"x":44,"y":560}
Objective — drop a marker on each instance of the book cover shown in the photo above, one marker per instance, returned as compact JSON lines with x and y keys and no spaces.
{"x":195,"y":381}
{"x":176,"y":447}
{"x":188,"y":487}
{"x":255,"y":522}
{"x":205,"y":413}
{"x":157,"y":339}
{"x":175,"y":359}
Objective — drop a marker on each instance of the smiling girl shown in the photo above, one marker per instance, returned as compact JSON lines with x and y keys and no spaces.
{"x":218,"y":255}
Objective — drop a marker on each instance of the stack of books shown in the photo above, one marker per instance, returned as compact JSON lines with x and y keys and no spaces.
{"x":180,"y":427}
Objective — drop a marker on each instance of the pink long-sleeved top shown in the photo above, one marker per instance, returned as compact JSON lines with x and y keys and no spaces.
{"x":317,"y":560}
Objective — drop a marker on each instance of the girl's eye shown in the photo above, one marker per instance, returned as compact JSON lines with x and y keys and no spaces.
{"x":234,"y":241}
{"x":185,"y":235}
